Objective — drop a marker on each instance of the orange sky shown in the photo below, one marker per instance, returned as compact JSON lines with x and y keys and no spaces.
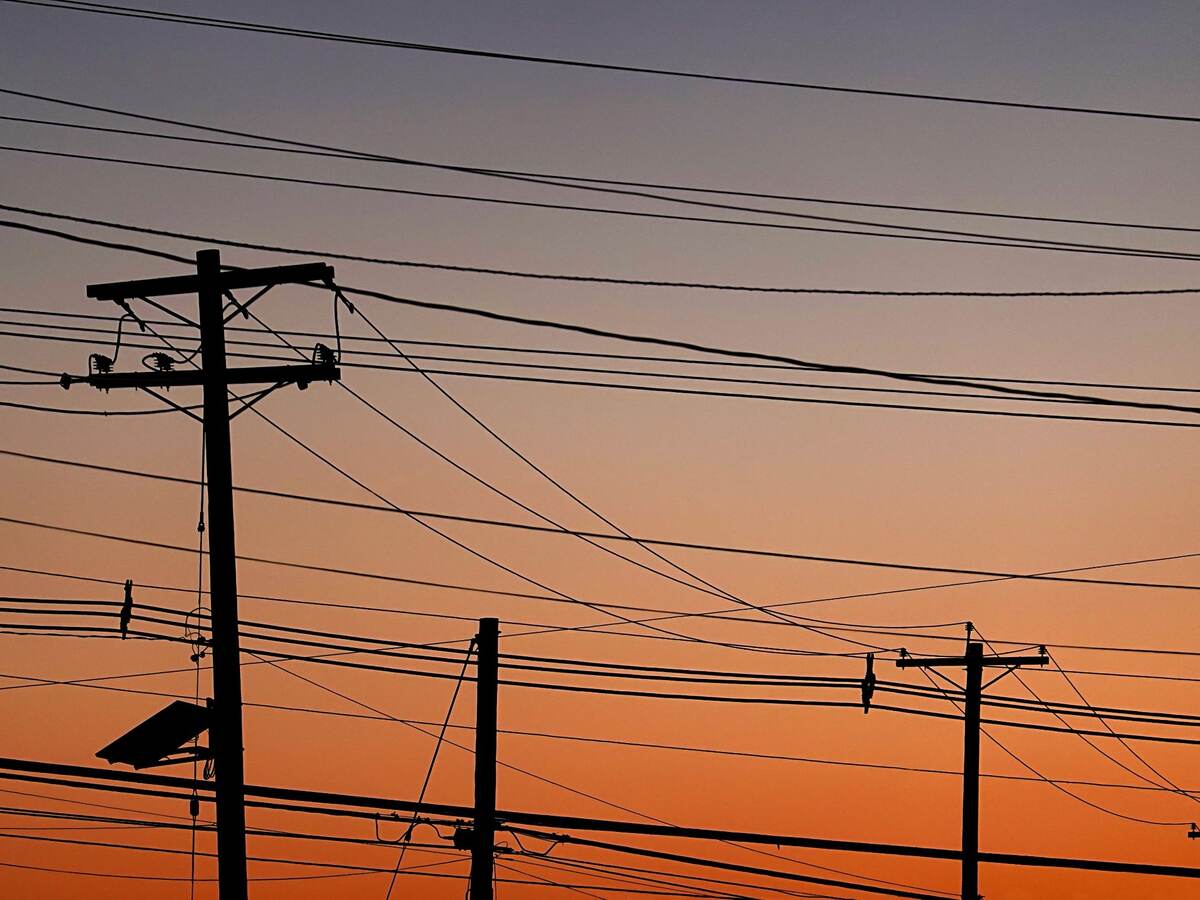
{"x":957,"y":491}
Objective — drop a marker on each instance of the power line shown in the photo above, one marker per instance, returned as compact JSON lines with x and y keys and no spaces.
{"x":951,"y":236}
{"x":508,"y":364}
{"x":908,"y":567}
{"x":656,"y":673}
{"x":1037,"y":773}
{"x":324,"y":659}
{"x":490,"y":560}
{"x":358,"y":806}
{"x":641,"y":744}
{"x":594,"y":629}
{"x":574,"y":738}
{"x":684,"y":345}
{"x":577,"y":182}
{"x":558,"y":530}
{"x":726,"y":615}
{"x":576,"y":328}
{"x":717,"y":394}
{"x":366,"y":40}
{"x":66,"y":411}
{"x":590,"y":185}
{"x":537,"y":351}
{"x":696,"y":583}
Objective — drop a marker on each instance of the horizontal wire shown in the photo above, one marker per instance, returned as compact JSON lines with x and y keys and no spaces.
{"x":459,"y":360}
{"x":772,"y":554}
{"x":1001,"y":241}
{"x":577,"y":328}
{"x":325,"y":659}
{"x":366,"y":40}
{"x":585,"y":183}
{"x":895,"y":630}
{"x":575,"y":738}
{"x":691,"y":392}
{"x":475,"y":520}
{"x":543,"y":351}
{"x":612,"y":669}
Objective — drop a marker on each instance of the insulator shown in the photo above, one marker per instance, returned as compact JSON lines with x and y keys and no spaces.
{"x":324,"y":356}
{"x":161,"y":362}
{"x":100,"y":363}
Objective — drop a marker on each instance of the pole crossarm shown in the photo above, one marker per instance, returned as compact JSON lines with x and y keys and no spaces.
{"x":958,"y":662}
{"x":302,"y":374}
{"x":226,"y":280}
{"x":974,"y":661}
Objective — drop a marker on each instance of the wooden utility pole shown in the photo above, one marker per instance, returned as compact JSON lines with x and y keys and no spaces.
{"x":211,"y":285}
{"x":487,"y":674}
{"x":974,"y":662}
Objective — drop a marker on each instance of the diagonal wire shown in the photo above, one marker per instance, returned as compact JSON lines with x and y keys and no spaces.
{"x":429,"y":771}
{"x":1045,"y":778}
{"x":709,"y":587}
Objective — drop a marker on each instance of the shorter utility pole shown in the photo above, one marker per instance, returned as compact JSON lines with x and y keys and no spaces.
{"x":974,"y":662}
{"x":487,"y":645}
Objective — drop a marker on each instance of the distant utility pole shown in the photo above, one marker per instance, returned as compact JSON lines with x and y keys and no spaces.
{"x":487,"y":674}
{"x":212,"y":285}
{"x":974,"y":662}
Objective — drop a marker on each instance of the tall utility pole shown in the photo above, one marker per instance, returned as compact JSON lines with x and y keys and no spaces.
{"x":975,"y":662}
{"x":211,"y":284}
{"x":487,"y":645}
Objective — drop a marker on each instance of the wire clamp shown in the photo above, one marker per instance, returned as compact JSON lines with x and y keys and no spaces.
{"x":868,"y":683}
{"x":127,"y":608}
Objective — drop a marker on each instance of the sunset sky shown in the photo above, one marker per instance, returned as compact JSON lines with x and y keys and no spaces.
{"x":917,"y":487}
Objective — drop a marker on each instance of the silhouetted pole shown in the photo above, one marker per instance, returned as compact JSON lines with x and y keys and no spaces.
{"x":212,"y":286}
{"x":974,"y":661}
{"x":225,"y":730}
{"x":487,"y":647}
{"x":970,"y":801}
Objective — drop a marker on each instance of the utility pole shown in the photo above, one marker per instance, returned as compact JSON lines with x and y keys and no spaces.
{"x":487,"y":671}
{"x":212,"y":285}
{"x":974,"y":662}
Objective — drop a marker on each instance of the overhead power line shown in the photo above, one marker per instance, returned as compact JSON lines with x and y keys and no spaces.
{"x":835,"y":368}
{"x":386,"y":43}
{"x":358,"y":806}
{"x":606,"y":536}
{"x":111,"y":321}
{"x":944,"y":236}
{"x":383,"y":647}
{"x":577,"y":182}
{"x":90,"y":683}
{"x":348,"y":353}
{"x":335,"y":659}
{"x":723,"y":615}
{"x":698,"y":393}
{"x":840,"y":560}
{"x":914,"y":232}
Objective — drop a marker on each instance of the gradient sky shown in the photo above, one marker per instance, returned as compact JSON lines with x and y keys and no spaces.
{"x":965,"y":491}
